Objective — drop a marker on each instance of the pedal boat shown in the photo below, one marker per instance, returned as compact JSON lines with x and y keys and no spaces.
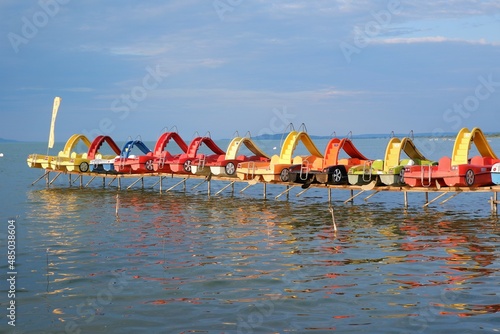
{"x":226,"y":164}
{"x":161,"y":164}
{"x":68,"y":159}
{"x":124,"y":162}
{"x":332,"y":170}
{"x":459,"y":170}
{"x":100,"y":163}
{"x":146,"y":163}
{"x":184,"y":163}
{"x":391,"y":170}
{"x":278,"y":168}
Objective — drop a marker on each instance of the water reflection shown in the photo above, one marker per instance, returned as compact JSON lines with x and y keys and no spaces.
{"x":249,"y":263}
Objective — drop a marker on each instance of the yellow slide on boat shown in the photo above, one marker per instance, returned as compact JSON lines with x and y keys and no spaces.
{"x":394,"y":149}
{"x":59,"y":162}
{"x":235,"y":144}
{"x":291,"y":142}
{"x":66,"y":159}
{"x":278,"y":168}
{"x":460,"y":154}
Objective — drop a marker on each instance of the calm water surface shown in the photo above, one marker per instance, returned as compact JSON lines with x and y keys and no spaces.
{"x":183,"y":262}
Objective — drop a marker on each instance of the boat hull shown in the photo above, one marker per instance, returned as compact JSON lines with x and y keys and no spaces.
{"x":394,"y":177}
{"x":142,"y":164}
{"x":334,"y":175}
{"x":36,"y":161}
{"x":477,"y":173}
{"x":301,"y":175}
{"x":200,"y":170}
{"x":264,"y":171}
{"x":362,"y":179}
{"x":102,"y":165}
{"x":225,"y":168}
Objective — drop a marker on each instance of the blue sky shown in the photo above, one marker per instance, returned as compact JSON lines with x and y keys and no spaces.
{"x":128,"y":68}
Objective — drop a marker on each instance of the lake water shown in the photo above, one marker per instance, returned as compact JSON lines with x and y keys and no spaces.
{"x":184,"y":262}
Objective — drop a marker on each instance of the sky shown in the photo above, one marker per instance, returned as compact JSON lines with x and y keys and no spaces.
{"x":139,"y":68}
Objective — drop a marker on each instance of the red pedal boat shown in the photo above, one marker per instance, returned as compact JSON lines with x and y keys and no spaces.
{"x":184,"y":162}
{"x":99,"y":162}
{"x":163,"y":158}
{"x":459,"y":170}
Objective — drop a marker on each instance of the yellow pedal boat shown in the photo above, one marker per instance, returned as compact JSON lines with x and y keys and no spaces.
{"x":277,"y":169}
{"x":68,"y":160}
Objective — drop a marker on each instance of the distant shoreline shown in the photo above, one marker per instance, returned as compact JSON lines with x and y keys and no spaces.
{"x":280,"y":136}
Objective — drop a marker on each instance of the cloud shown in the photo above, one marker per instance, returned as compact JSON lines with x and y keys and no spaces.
{"x":78,"y":89}
{"x":250,"y":96}
{"x":431,"y":39}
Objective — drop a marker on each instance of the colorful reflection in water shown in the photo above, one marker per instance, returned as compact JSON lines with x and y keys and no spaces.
{"x":182,"y":262}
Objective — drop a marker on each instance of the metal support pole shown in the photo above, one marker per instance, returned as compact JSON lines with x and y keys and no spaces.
{"x":495,"y":199}
{"x":91,"y":179}
{"x":199,"y":184}
{"x":265,"y":190}
{"x":246,"y":187}
{"x":104,"y":182}
{"x":426,"y":197}
{"x":302,"y":191}
{"x":329,"y":195}
{"x":371,"y":195}
{"x":208,"y":187}
{"x":434,"y":199}
{"x":178,"y":183}
{"x":75,"y":179}
{"x":55,"y":177}
{"x":112,"y":180}
{"x":81,"y":180}
{"x":446,"y":200}
{"x":405,"y":193}
{"x":494,"y":203}
{"x":133,"y":183}
{"x":119,"y":182}
{"x":47,"y":179}
{"x":69,"y":179}
{"x":225,"y":187}
{"x":41,"y":177}
{"x":351,"y":199}
{"x":286,"y":191}
{"x":159,"y":181}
